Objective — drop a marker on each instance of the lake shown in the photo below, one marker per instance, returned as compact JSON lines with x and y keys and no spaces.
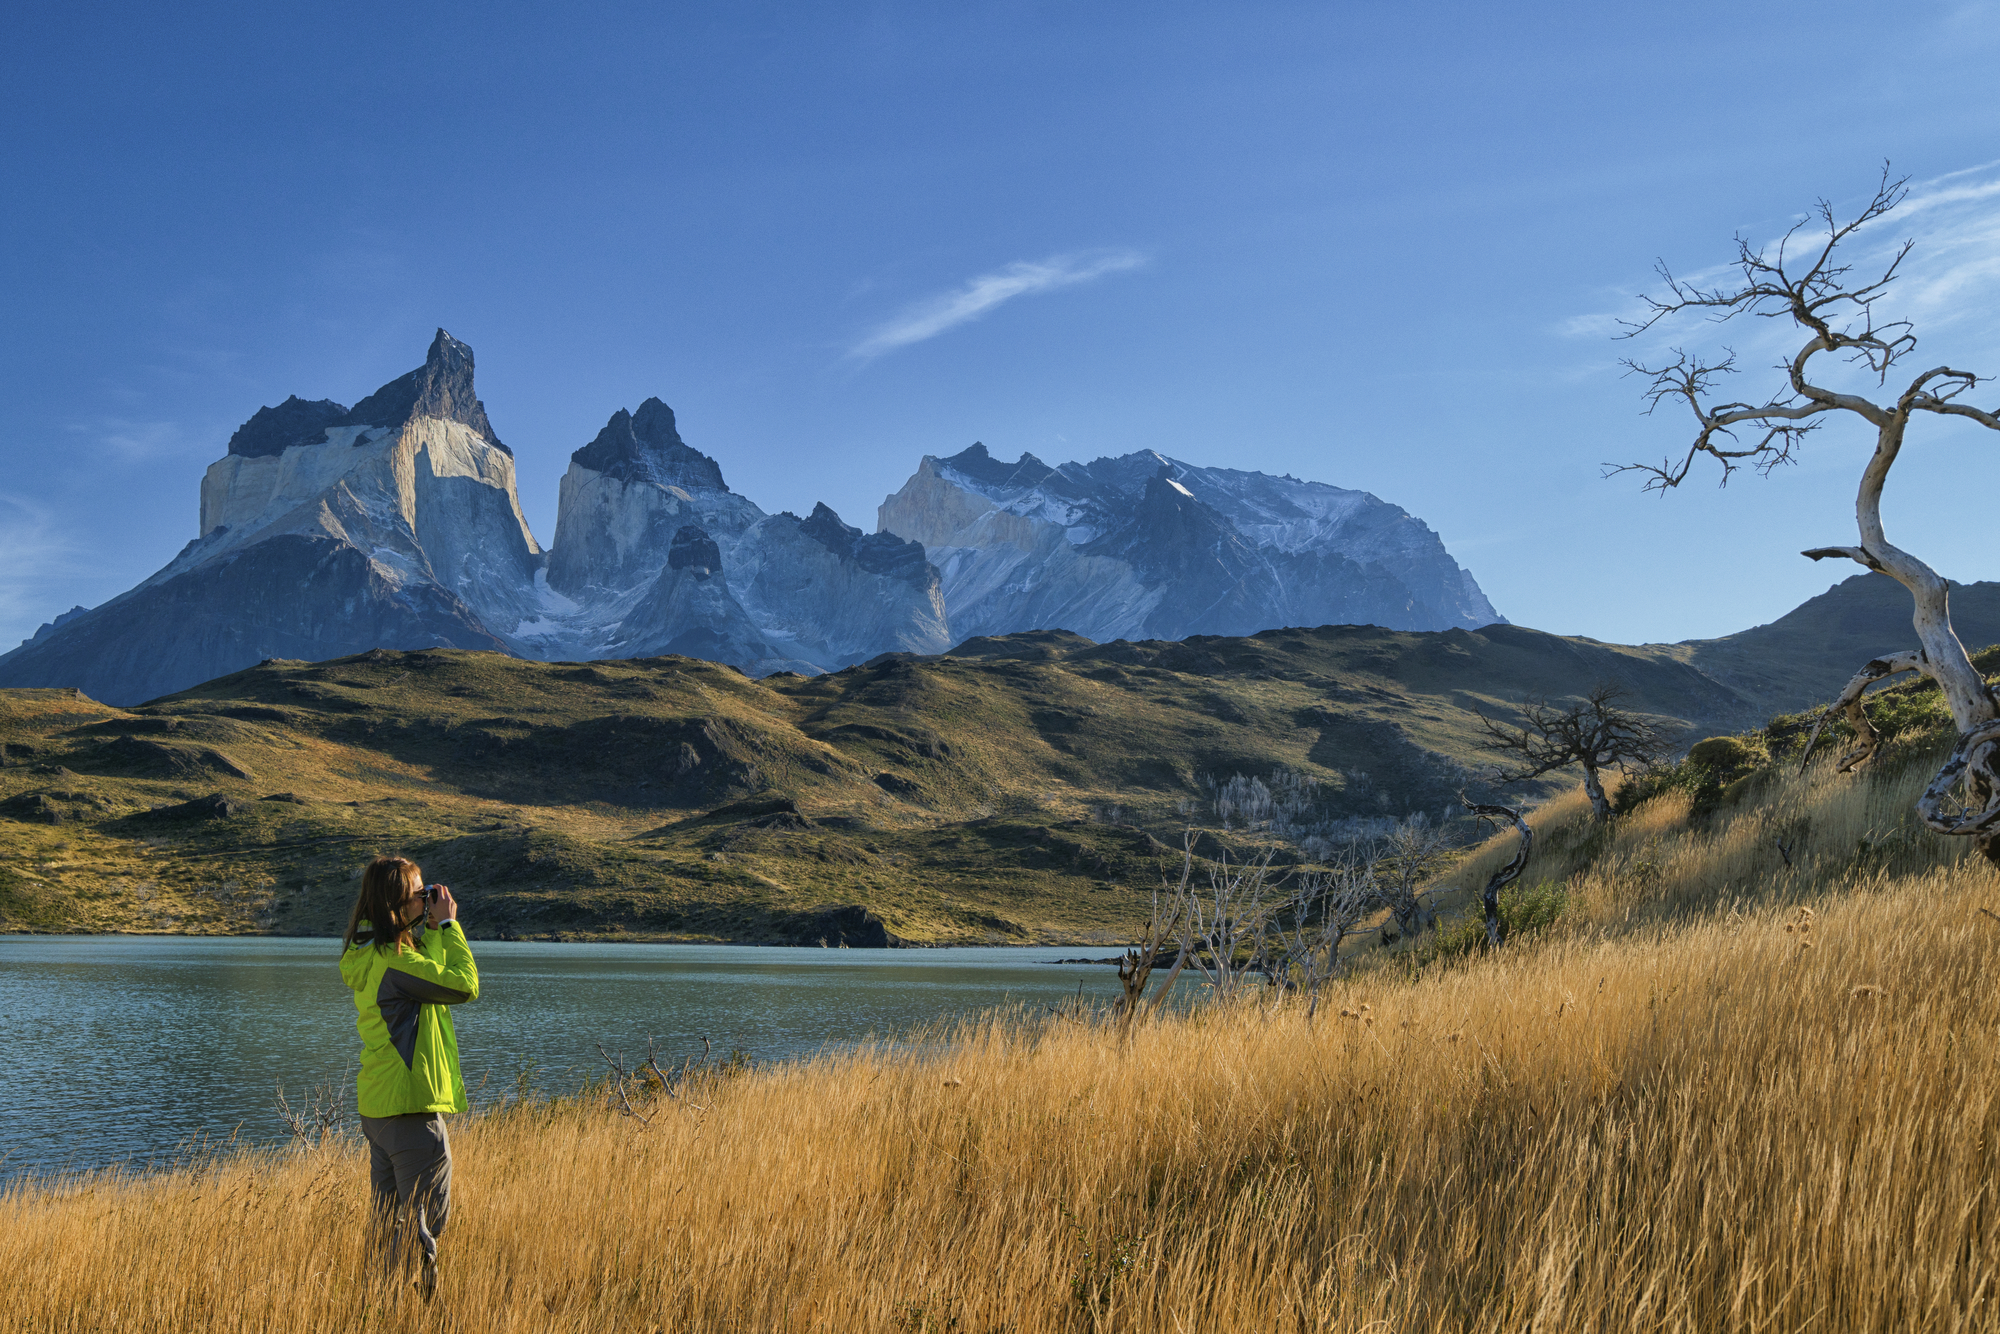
{"x":125,"y":1048}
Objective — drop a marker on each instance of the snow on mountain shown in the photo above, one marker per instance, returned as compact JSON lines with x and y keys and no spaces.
{"x":1145,"y":546}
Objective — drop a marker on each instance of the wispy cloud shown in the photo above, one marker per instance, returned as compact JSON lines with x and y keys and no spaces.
{"x":130,"y":441}
{"x":948,"y":310}
{"x":1948,"y":284}
{"x":36,"y":550}
{"x":1598,"y":324}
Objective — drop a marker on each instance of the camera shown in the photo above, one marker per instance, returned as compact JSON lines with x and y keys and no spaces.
{"x":431,"y":893}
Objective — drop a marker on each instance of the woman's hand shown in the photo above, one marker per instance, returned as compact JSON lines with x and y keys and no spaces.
{"x":443,"y":908}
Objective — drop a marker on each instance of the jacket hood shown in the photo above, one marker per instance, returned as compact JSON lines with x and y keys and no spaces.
{"x":355,"y":959}
{"x":354,"y":966}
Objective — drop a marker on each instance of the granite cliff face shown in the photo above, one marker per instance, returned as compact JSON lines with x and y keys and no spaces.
{"x":655,"y":554}
{"x":324,"y":531}
{"x":625,"y":496}
{"x":836,"y":594}
{"x":328,"y":530}
{"x":412,"y":477}
{"x":1147,"y":547}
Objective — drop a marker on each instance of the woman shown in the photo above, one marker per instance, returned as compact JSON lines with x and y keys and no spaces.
{"x":409,"y":1055}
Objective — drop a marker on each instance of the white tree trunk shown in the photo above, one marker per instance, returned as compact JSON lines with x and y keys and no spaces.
{"x":1593,"y":787}
{"x":1941,"y":657}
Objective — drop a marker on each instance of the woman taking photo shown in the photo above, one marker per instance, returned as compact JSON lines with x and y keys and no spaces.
{"x":409,"y":1055}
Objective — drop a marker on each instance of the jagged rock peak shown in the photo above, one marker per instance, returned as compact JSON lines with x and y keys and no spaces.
{"x":823,"y":526}
{"x":645,"y":446}
{"x":296,"y":421}
{"x":976,"y":463}
{"x":694,"y":549}
{"x":877,"y":553}
{"x":50,"y":627}
{"x":1073,"y":480}
{"x":441,"y":387}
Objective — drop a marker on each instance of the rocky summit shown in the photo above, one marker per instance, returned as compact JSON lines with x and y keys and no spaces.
{"x":328,"y":530}
{"x":1147,"y":547}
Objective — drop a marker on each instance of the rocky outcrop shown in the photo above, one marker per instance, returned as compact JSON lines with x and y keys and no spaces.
{"x":624,"y":497}
{"x":646,"y":446}
{"x":440,"y":390}
{"x":833,"y":595}
{"x":293,"y":422}
{"x":654,"y":554}
{"x":689,"y":610}
{"x":412,"y":476}
{"x":1144,"y":546}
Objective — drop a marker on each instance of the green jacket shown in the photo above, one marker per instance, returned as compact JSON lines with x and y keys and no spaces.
{"x":409,"y":1054}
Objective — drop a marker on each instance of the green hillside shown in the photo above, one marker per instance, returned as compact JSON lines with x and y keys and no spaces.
{"x":1026,"y":788}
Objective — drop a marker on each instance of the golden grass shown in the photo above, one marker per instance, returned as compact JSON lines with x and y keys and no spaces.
{"x":1655,"y":864}
{"x":1724,"y":1094}
{"x":1760,"y":1120}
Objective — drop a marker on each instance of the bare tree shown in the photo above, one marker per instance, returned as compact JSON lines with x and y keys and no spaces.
{"x":320,"y":1116}
{"x":1325,"y":908}
{"x":1233,"y":918}
{"x":621,"y":1085}
{"x":1593,"y":733}
{"x":1489,"y":897}
{"x":1835,"y":312}
{"x":1173,"y":920}
{"x":1403,"y":865}
{"x":1169,"y":924}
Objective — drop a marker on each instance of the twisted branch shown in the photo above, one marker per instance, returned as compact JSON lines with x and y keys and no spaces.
{"x":1851,"y":703}
{"x":1965,"y":755}
{"x":1496,"y":930}
{"x":1836,"y":314}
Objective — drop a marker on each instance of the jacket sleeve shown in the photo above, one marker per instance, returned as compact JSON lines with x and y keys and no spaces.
{"x":442,"y":972}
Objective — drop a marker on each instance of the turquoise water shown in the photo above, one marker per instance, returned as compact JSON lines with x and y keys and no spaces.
{"x":126,"y":1049}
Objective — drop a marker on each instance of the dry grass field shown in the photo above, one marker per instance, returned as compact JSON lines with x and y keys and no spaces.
{"x":1717,"y":1094}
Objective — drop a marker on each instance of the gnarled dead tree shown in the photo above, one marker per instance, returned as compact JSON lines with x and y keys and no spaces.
{"x":1593,"y":733}
{"x":1325,"y":909}
{"x":1496,"y":929}
{"x":1835,"y":311}
{"x":1169,"y":926}
{"x":1231,"y":921}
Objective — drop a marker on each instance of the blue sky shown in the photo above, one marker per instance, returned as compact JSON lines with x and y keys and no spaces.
{"x":1376,"y":245}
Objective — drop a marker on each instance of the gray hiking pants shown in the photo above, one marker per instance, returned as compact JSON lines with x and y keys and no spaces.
{"x":409,"y":1176}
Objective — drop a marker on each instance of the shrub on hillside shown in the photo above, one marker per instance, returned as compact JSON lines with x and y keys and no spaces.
{"x":1523,"y":910}
{"x":1717,"y":772}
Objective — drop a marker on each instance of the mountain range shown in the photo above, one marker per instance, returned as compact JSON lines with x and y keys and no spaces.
{"x":327,"y":530}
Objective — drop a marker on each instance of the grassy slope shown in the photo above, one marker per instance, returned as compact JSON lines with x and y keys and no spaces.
{"x":1760,"y":831}
{"x":962,"y":798}
{"x":1717,"y":1094}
